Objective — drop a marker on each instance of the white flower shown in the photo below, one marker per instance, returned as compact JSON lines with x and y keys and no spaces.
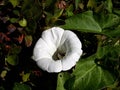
{"x":57,"y":50}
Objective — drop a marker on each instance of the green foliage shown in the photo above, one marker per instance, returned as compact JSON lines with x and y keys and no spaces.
{"x":62,"y":77}
{"x":87,"y":75}
{"x":97,"y":24}
{"x":91,"y":4}
{"x":109,"y":5}
{"x":18,"y":86}
{"x":91,"y":76}
{"x":77,"y":3}
{"x":23,"y":22}
{"x":78,"y":22}
{"x":108,"y":20}
{"x":14,"y":2}
{"x":32,"y":9}
{"x":12,"y":59}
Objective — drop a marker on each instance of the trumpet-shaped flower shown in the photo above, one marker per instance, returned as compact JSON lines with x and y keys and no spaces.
{"x":57,"y":50}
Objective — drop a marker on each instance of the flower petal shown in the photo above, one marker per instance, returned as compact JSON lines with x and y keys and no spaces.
{"x":72,"y":44}
{"x":46,"y":47}
{"x":50,"y":65}
{"x":56,"y":39}
{"x":55,"y":66}
{"x":42,"y":50}
{"x":44,"y":63}
{"x":48,"y":43}
{"x":53,"y":36}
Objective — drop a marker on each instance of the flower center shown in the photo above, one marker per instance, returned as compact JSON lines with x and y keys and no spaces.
{"x":58,"y":55}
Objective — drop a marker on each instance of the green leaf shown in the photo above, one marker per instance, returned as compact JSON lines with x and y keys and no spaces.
{"x":113,"y":33}
{"x":31,"y":27}
{"x":62,"y":77}
{"x":101,"y":51}
{"x":109,"y":53}
{"x":12,"y":59}
{"x":3,"y":74}
{"x":108,"y":20}
{"x":15,"y":50}
{"x":13,"y":20}
{"x":77,"y":3}
{"x":83,"y":22}
{"x":100,"y":8}
{"x":87,"y":76}
{"x":16,"y":12}
{"x":31,"y":9}
{"x":23,"y":22}
{"x":69,"y":10}
{"x":109,"y":5}
{"x":18,"y":86}
{"x":49,"y":2}
{"x":91,"y":4}
{"x":14,"y":2}
{"x":116,"y":11}
{"x":25,"y":77}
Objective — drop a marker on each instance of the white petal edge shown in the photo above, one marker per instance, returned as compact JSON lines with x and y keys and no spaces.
{"x":51,"y":40}
{"x":50,"y":65}
{"x":73,"y":52}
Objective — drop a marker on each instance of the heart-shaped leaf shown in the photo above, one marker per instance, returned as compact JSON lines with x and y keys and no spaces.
{"x":83,"y":22}
{"x":12,"y":59}
{"x":23,"y":22}
{"x":89,"y":76}
{"x":25,"y":77}
{"x":14,"y":2}
{"x":86,"y":76}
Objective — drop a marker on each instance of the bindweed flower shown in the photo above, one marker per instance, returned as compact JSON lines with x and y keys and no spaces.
{"x":57,"y":50}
